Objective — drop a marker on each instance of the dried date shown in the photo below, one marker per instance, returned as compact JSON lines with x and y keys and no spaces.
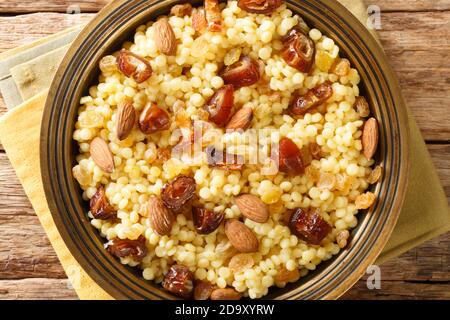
{"x":99,"y":206}
{"x":290,"y":157}
{"x":206,"y":221}
{"x":179,"y":281}
{"x":153,"y":119}
{"x":302,"y":104}
{"x":243,"y":73}
{"x":178,"y":192}
{"x":309,"y":226}
{"x":260,"y":6}
{"x":134,"y":66}
{"x":298,"y":50}
{"x":122,"y":248}
{"x":220,"y":106}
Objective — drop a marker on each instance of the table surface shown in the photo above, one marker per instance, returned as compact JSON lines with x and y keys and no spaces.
{"x":416,"y":37}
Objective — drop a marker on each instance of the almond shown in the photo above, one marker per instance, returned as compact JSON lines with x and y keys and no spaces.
{"x":241,"y":236}
{"x":126,"y":117}
{"x":370,"y":138}
{"x":165,"y":37}
{"x":101,"y":155}
{"x":161,"y":218}
{"x":199,"y":22}
{"x":225,"y":294}
{"x":241,"y":120}
{"x":252,"y":208}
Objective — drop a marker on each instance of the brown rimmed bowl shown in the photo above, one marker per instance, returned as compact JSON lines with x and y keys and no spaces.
{"x":79,"y":69}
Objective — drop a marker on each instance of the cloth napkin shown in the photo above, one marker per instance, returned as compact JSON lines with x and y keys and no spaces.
{"x":425,"y":213}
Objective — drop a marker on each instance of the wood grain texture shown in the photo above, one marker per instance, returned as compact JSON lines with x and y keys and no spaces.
{"x":415,"y":34}
{"x":37,"y":289}
{"x":66,"y":6}
{"x":24,"y":6}
{"x":410,"y":5}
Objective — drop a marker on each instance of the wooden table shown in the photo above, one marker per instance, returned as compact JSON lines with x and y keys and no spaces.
{"x":416,"y":36}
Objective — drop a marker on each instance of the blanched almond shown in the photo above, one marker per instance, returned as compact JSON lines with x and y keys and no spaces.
{"x":101,"y":155}
{"x":241,"y":120}
{"x":164,"y":37}
{"x":199,"y":22}
{"x":161,"y":218}
{"x":241,"y":236}
{"x":126,"y":117}
{"x":252,"y":208}
{"x":225,"y":294}
{"x":370,"y":138}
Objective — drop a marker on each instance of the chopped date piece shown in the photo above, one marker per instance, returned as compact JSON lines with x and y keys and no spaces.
{"x":178,"y":192}
{"x":206,"y":221}
{"x":179,"y":281}
{"x":122,"y":248}
{"x":243,"y":73}
{"x":316,"y":151}
{"x":260,"y":6}
{"x":181,"y":10}
{"x":302,"y":104}
{"x":223,"y":160}
{"x":134,"y":66}
{"x":213,"y":15}
{"x":203,"y":290}
{"x":220,"y":106}
{"x":163,"y":154}
{"x":309,"y":226}
{"x":199,"y":22}
{"x":99,"y":206}
{"x":290,"y":157}
{"x":298,"y":50}
{"x":153,"y":119}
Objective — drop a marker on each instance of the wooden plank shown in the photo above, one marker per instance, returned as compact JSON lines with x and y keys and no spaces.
{"x":410,"y":5}
{"x":400,"y":290}
{"x":27,"y":6}
{"x":36,"y":289}
{"x":22,"y":29}
{"x":417,"y":45}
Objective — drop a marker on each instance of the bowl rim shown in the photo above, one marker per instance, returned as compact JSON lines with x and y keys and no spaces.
{"x":55,"y":200}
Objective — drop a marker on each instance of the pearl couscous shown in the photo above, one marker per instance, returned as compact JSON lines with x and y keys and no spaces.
{"x":177,"y":83}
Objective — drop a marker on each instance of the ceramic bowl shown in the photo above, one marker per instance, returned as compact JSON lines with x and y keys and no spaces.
{"x":79,"y":69}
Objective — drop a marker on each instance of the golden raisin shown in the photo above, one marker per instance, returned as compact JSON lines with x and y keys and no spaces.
{"x":362,"y":107}
{"x":285,"y":275}
{"x":241,"y":262}
{"x":342,"y":238}
{"x":326,"y":181}
{"x":324,"y":61}
{"x":341,"y":67}
{"x":365,"y":200}
{"x":375,"y":175}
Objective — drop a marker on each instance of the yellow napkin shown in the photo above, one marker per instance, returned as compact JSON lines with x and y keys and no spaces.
{"x":20,"y":133}
{"x":424,"y":215}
